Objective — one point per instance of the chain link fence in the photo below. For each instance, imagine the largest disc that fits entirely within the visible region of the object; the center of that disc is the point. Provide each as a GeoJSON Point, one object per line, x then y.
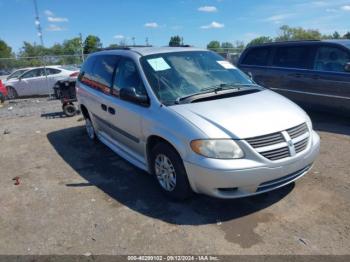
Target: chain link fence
{"type": "Point", "coordinates": [229, 54]}
{"type": "Point", "coordinates": [8, 65]}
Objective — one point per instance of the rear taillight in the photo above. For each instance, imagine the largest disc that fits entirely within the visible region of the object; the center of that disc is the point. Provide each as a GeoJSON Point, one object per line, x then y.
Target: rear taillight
{"type": "Point", "coordinates": [74, 74]}
{"type": "Point", "coordinates": [0, 82]}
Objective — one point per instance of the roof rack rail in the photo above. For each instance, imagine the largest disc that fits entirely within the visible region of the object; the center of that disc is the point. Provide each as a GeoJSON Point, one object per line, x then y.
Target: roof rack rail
{"type": "Point", "coordinates": [126, 47]}
{"type": "Point", "coordinates": [180, 46]}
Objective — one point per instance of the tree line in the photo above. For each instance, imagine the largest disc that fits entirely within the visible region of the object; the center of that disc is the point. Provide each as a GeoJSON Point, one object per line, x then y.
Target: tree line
{"type": "Point", "coordinates": [286, 33]}
{"type": "Point", "coordinates": [70, 51]}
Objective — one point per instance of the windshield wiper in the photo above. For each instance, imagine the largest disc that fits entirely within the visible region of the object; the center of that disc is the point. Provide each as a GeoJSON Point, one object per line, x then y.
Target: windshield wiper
{"type": "Point", "coordinates": [213, 89]}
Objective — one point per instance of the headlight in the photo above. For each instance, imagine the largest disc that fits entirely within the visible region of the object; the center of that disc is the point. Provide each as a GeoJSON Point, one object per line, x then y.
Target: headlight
{"type": "Point", "coordinates": [222, 148]}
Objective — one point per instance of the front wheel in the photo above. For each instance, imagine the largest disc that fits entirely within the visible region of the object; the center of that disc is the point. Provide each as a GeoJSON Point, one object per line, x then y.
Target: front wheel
{"type": "Point", "coordinates": [11, 93]}
{"type": "Point", "coordinates": [168, 168]}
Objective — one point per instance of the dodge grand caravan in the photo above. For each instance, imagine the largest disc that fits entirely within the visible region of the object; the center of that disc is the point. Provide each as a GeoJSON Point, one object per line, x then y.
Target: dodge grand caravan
{"type": "Point", "coordinates": [194, 121]}
{"type": "Point", "coordinates": [314, 74]}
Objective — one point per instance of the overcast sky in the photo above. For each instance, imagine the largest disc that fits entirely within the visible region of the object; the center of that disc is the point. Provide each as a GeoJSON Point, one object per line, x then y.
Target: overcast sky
{"type": "Point", "coordinates": [198, 21]}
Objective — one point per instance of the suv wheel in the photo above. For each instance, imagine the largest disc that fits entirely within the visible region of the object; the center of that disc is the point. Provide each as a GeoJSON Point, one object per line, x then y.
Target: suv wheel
{"type": "Point", "coordinates": [168, 168]}
{"type": "Point", "coordinates": [90, 130]}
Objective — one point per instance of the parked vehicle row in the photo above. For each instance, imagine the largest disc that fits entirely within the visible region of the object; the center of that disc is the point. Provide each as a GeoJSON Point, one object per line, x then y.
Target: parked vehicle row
{"type": "Point", "coordinates": [312, 73]}
{"type": "Point", "coordinates": [37, 81]}
{"type": "Point", "coordinates": [194, 121]}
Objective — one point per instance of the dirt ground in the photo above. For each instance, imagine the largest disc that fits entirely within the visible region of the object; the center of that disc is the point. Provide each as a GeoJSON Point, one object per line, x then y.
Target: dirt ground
{"type": "Point", "coordinates": [78, 197]}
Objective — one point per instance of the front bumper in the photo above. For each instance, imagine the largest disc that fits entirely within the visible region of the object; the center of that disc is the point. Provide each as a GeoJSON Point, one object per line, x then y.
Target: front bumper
{"type": "Point", "coordinates": [233, 182]}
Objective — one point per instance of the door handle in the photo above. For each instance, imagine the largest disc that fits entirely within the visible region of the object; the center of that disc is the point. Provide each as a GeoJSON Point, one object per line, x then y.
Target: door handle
{"type": "Point", "coordinates": [104, 107]}
{"type": "Point", "coordinates": [315, 77]}
{"type": "Point", "coordinates": [111, 110]}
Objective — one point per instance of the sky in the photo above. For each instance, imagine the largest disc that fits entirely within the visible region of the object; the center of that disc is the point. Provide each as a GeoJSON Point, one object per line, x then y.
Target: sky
{"type": "Point", "coordinates": [197, 21]}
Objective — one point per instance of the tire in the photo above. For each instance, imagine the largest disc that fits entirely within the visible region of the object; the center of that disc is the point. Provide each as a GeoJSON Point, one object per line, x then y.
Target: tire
{"type": "Point", "coordinates": [69, 110]}
{"type": "Point", "coordinates": [90, 130]}
{"type": "Point", "coordinates": [169, 171]}
{"type": "Point", "coordinates": [2, 98]}
{"type": "Point", "coordinates": [11, 93]}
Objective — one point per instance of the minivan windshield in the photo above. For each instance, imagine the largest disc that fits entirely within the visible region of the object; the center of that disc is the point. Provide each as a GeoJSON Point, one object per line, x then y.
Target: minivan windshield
{"type": "Point", "coordinates": [180, 74]}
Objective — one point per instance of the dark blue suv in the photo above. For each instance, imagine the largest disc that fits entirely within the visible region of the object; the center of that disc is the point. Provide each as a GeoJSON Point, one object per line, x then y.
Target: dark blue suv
{"type": "Point", "coordinates": [314, 74]}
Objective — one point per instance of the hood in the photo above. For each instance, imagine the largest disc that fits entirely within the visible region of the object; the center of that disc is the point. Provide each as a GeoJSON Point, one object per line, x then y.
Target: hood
{"type": "Point", "coordinates": [243, 116]}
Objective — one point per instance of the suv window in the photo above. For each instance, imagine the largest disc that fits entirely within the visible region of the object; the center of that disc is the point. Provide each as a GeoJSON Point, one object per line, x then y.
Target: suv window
{"type": "Point", "coordinates": [102, 72]}
{"type": "Point", "coordinates": [127, 76]}
{"type": "Point", "coordinates": [85, 75]}
{"type": "Point", "coordinates": [291, 56]}
{"type": "Point", "coordinates": [330, 58]}
{"type": "Point", "coordinates": [257, 56]}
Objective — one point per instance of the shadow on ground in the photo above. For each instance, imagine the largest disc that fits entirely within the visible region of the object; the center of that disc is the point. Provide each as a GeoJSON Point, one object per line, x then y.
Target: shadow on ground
{"type": "Point", "coordinates": [137, 190]}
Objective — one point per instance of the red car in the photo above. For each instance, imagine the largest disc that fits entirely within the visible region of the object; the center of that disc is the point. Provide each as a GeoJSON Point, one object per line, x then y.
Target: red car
{"type": "Point", "coordinates": [3, 92]}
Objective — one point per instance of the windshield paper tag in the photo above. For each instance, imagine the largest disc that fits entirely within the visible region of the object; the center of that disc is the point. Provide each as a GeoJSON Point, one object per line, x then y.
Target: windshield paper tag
{"type": "Point", "coordinates": [226, 64]}
{"type": "Point", "coordinates": [158, 64]}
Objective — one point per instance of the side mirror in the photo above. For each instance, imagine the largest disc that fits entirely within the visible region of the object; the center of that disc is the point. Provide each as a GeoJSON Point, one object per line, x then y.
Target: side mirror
{"type": "Point", "coordinates": [129, 94]}
{"type": "Point", "coordinates": [347, 67]}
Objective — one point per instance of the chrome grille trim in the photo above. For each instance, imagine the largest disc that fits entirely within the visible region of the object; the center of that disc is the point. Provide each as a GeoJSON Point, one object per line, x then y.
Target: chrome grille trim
{"type": "Point", "coordinates": [297, 131]}
{"type": "Point", "coordinates": [277, 153]}
{"type": "Point", "coordinates": [266, 140]}
{"type": "Point", "coordinates": [301, 145]}
{"type": "Point", "coordinates": [280, 145]}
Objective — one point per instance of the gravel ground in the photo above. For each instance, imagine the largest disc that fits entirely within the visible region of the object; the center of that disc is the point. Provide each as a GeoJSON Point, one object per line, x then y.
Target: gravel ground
{"type": "Point", "coordinates": [78, 197]}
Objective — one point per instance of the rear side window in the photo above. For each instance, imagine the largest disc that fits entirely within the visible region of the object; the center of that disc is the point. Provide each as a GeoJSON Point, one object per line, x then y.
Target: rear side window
{"type": "Point", "coordinates": [257, 56]}
{"type": "Point", "coordinates": [85, 75]}
{"type": "Point", "coordinates": [329, 58]}
{"type": "Point", "coordinates": [291, 57]}
{"type": "Point", "coordinates": [52, 71]}
{"type": "Point", "coordinates": [102, 72]}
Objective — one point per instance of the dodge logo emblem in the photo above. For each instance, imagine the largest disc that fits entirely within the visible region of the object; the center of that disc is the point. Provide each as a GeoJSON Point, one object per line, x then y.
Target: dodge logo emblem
{"type": "Point", "coordinates": [290, 143]}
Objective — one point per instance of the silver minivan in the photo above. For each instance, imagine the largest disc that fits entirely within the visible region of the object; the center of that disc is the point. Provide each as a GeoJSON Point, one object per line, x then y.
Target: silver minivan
{"type": "Point", "coordinates": [194, 121]}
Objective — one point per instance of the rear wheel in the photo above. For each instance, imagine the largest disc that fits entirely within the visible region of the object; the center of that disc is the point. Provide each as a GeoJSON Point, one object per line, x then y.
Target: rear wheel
{"type": "Point", "coordinates": [168, 168]}
{"type": "Point", "coordinates": [11, 93]}
{"type": "Point", "coordinates": [90, 130]}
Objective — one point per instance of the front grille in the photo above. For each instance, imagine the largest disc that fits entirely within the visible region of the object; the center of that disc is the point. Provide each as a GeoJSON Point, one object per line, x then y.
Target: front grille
{"type": "Point", "coordinates": [276, 154]}
{"type": "Point", "coordinates": [301, 145]}
{"type": "Point", "coordinates": [297, 131]}
{"type": "Point", "coordinates": [266, 140]}
{"type": "Point", "coordinates": [274, 146]}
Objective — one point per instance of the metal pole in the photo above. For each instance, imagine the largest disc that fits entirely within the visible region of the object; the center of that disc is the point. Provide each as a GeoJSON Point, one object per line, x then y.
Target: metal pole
{"type": "Point", "coordinates": [40, 34]}
{"type": "Point", "coordinates": [81, 47]}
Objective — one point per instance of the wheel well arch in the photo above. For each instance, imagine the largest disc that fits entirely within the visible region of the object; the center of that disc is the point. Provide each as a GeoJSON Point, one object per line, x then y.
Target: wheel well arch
{"type": "Point", "coordinates": [84, 111]}
{"type": "Point", "coordinates": [152, 141]}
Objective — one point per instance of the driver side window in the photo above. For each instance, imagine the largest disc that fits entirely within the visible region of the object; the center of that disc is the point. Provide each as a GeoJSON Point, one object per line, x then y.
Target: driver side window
{"type": "Point", "coordinates": [127, 76]}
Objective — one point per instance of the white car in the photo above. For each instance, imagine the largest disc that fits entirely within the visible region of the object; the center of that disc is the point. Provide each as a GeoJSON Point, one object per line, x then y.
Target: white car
{"type": "Point", "coordinates": [34, 81]}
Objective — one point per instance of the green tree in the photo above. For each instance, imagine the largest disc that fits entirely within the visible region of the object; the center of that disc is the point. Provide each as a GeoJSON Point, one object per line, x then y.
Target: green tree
{"type": "Point", "coordinates": [260, 40]}
{"type": "Point", "coordinates": [336, 35]}
{"type": "Point", "coordinates": [297, 33]}
{"type": "Point", "coordinates": [347, 35]}
{"type": "Point", "coordinates": [5, 52]}
{"type": "Point", "coordinates": [91, 44]}
{"type": "Point", "coordinates": [213, 45]}
{"type": "Point", "coordinates": [175, 41]}
{"type": "Point", "coordinates": [226, 45]}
